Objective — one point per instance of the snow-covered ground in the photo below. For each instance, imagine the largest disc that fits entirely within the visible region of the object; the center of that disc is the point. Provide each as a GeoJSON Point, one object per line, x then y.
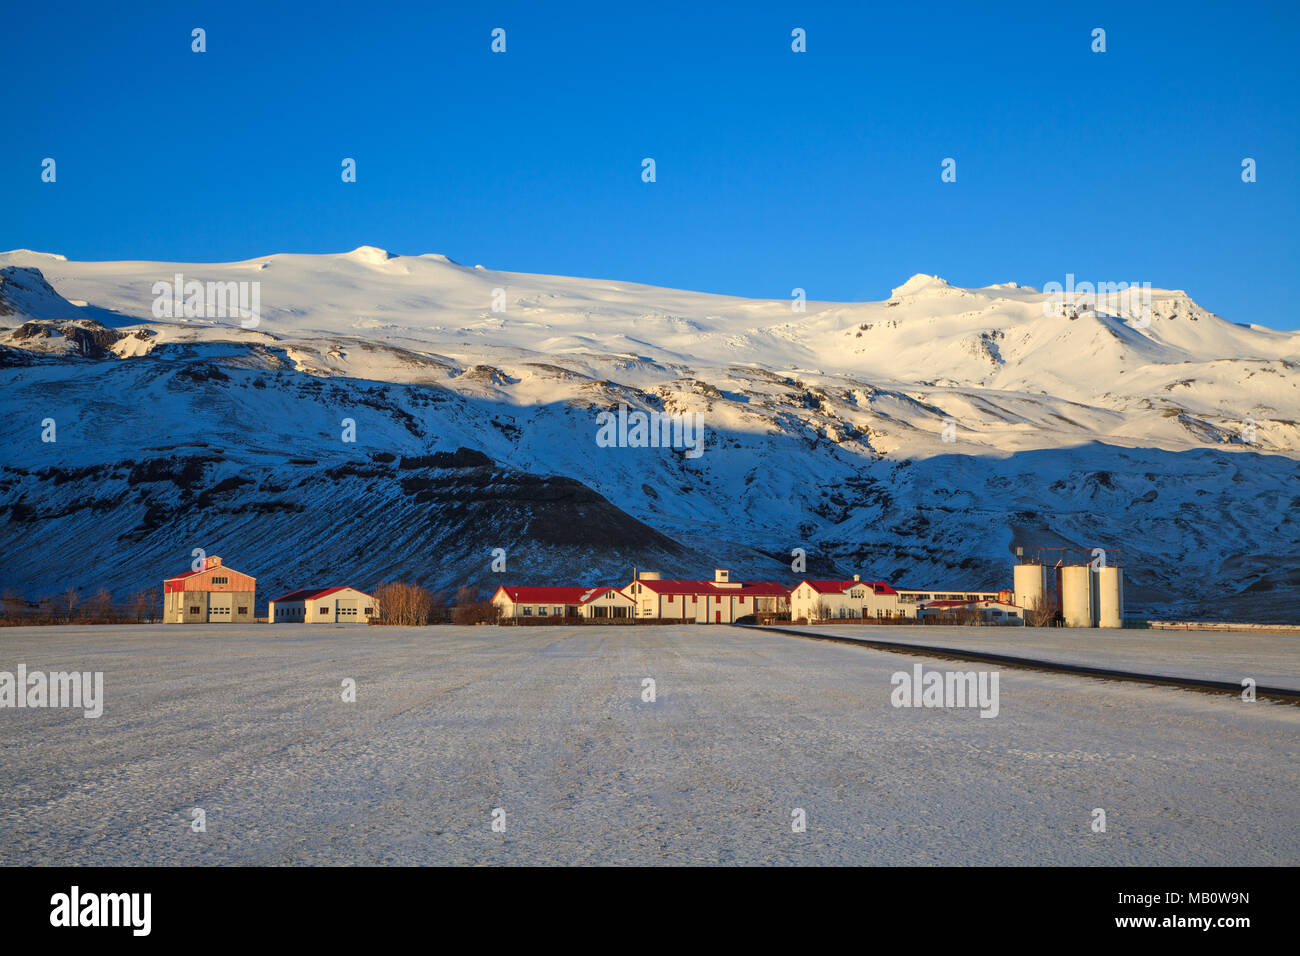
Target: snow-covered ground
{"type": "Point", "coordinates": [1271, 659]}
{"type": "Point", "coordinates": [549, 724]}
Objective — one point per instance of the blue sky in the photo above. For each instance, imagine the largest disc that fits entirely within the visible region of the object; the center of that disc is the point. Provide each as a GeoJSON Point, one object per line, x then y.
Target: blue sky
{"type": "Point", "coordinates": [774, 169]}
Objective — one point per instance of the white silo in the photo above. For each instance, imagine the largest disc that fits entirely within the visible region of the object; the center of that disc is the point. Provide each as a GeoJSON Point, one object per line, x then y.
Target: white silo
{"type": "Point", "coordinates": [1030, 585]}
{"type": "Point", "coordinates": [1110, 597]}
{"type": "Point", "coordinates": [1077, 606]}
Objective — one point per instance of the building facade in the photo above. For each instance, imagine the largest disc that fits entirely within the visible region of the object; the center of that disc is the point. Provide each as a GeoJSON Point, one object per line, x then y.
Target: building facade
{"type": "Point", "coordinates": [342, 605]}
{"type": "Point", "coordinates": [960, 612]}
{"type": "Point", "coordinates": [844, 600]}
{"type": "Point", "coordinates": [215, 594]}
{"type": "Point", "coordinates": [720, 601]}
{"type": "Point", "coordinates": [533, 602]}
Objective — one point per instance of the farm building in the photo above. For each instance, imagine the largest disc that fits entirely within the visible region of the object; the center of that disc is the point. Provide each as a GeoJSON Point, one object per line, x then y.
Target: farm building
{"type": "Point", "coordinates": [989, 612]}
{"type": "Point", "coordinates": [909, 599]}
{"type": "Point", "coordinates": [518, 602]}
{"type": "Point", "coordinates": [720, 601]}
{"type": "Point", "coordinates": [606, 603]}
{"type": "Point", "coordinates": [342, 605]}
{"type": "Point", "coordinates": [823, 600]}
{"type": "Point", "coordinates": [215, 594]}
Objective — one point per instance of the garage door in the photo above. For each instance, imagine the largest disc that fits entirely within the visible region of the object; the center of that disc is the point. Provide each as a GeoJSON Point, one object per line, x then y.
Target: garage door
{"type": "Point", "coordinates": [220, 608]}
{"type": "Point", "coordinates": [348, 612]}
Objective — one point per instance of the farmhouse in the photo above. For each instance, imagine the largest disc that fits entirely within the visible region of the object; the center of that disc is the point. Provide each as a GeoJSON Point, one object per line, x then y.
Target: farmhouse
{"type": "Point", "coordinates": [520, 602]}
{"type": "Point", "coordinates": [342, 605]}
{"type": "Point", "coordinates": [989, 611]}
{"type": "Point", "coordinates": [720, 601]}
{"type": "Point", "coordinates": [215, 594]}
{"type": "Point", "coordinates": [837, 600]}
{"type": "Point", "coordinates": [606, 603]}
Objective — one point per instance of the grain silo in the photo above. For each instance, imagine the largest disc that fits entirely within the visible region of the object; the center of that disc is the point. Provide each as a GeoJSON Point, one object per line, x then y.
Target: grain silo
{"type": "Point", "coordinates": [1075, 586]}
{"type": "Point", "coordinates": [1110, 597]}
{"type": "Point", "coordinates": [1030, 586]}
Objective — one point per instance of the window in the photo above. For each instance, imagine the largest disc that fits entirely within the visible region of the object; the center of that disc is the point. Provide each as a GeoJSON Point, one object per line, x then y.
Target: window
{"type": "Point", "coordinates": [221, 580]}
{"type": "Point", "coordinates": [244, 609]}
{"type": "Point", "coordinates": [541, 611]}
{"type": "Point", "coordinates": [323, 609]}
{"type": "Point", "coordinates": [528, 612]}
{"type": "Point", "coordinates": [370, 610]}
{"type": "Point", "coordinates": [194, 610]}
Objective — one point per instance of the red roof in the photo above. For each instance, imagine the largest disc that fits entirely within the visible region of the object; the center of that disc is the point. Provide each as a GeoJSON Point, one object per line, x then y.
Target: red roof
{"type": "Point", "coordinates": [835, 587]}
{"type": "Point", "coordinates": [593, 594]}
{"type": "Point", "coordinates": [308, 594]}
{"type": "Point", "coordinates": [660, 586]}
{"type": "Point", "coordinates": [556, 595]}
{"type": "Point", "coordinates": [187, 574]}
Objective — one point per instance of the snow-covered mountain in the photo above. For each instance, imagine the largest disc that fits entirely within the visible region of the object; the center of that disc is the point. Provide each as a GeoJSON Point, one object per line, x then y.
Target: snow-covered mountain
{"type": "Point", "coordinates": [913, 439]}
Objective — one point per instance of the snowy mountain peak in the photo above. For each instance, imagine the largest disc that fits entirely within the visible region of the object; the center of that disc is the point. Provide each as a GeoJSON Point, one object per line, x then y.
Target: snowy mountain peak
{"type": "Point", "coordinates": [29, 254]}
{"type": "Point", "coordinates": [370, 254]}
{"type": "Point", "coordinates": [921, 282]}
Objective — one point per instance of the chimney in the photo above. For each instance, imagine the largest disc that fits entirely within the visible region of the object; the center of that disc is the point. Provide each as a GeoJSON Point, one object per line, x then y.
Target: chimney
{"type": "Point", "coordinates": [211, 562]}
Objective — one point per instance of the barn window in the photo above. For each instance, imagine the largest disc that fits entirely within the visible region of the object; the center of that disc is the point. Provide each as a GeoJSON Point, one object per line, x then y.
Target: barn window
{"type": "Point", "coordinates": [221, 580]}
{"type": "Point", "coordinates": [194, 610]}
{"type": "Point", "coordinates": [243, 610]}
{"type": "Point", "coordinates": [324, 609]}
{"type": "Point", "coordinates": [369, 610]}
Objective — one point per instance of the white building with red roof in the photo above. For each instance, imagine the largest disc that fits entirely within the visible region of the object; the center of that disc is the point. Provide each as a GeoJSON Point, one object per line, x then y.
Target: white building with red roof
{"type": "Point", "coordinates": [605, 603]}
{"type": "Point", "coordinates": [720, 601]}
{"type": "Point", "coordinates": [844, 600]}
{"type": "Point", "coordinates": [341, 605]}
{"type": "Point", "coordinates": [988, 611]}
{"type": "Point", "coordinates": [534, 602]}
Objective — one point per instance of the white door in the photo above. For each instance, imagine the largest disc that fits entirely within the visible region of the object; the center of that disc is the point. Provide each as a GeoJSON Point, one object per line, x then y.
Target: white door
{"type": "Point", "coordinates": [220, 608]}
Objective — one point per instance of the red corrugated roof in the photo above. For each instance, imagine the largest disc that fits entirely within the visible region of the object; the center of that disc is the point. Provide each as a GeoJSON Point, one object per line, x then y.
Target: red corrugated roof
{"type": "Point", "coordinates": [187, 574]}
{"type": "Point", "coordinates": [553, 595]}
{"type": "Point", "coordinates": [710, 587]}
{"type": "Point", "coordinates": [592, 594]}
{"type": "Point", "coordinates": [835, 587]}
{"type": "Point", "coordinates": [660, 586]}
{"type": "Point", "coordinates": [309, 594]}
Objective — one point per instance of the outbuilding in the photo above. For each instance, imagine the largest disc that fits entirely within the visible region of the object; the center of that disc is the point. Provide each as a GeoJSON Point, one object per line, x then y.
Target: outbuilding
{"type": "Point", "coordinates": [531, 602]}
{"type": "Point", "coordinates": [214, 594]}
{"type": "Point", "coordinates": [341, 605]}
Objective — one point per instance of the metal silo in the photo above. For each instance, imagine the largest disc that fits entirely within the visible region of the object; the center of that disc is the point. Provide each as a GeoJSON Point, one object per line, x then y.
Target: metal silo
{"type": "Point", "coordinates": [1030, 586]}
{"type": "Point", "coordinates": [1110, 597]}
{"type": "Point", "coordinates": [1077, 606]}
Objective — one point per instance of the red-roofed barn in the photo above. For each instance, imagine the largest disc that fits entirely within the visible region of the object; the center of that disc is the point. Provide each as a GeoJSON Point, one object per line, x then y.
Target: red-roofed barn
{"type": "Point", "coordinates": [215, 594]}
